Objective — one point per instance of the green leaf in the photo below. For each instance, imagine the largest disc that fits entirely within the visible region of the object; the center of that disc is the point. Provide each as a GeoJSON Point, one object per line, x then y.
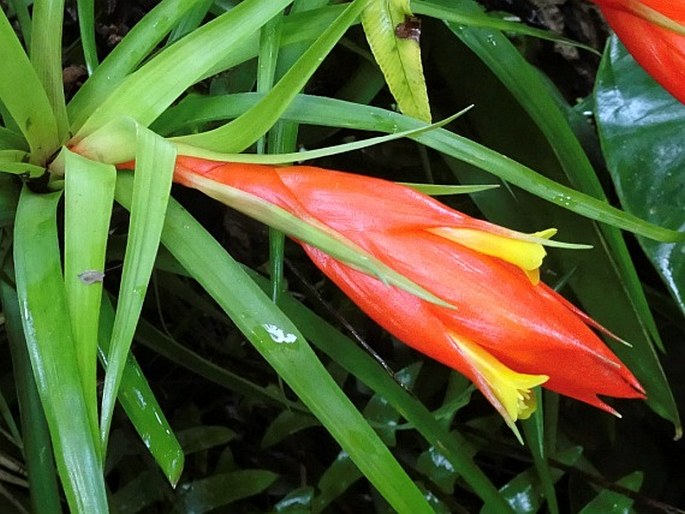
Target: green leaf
{"type": "Point", "coordinates": [86, 24]}
{"type": "Point", "coordinates": [242, 132]}
{"type": "Point", "coordinates": [46, 58]}
{"type": "Point", "coordinates": [88, 198]}
{"type": "Point", "coordinates": [155, 160]}
{"type": "Point", "coordinates": [611, 502]}
{"type": "Point", "coordinates": [204, 437]}
{"type": "Point", "coordinates": [286, 424]}
{"type": "Point", "coordinates": [393, 35]}
{"type": "Point", "coordinates": [37, 449]}
{"type": "Point", "coordinates": [45, 318]}
{"type": "Point", "coordinates": [337, 479]}
{"type": "Point", "coordinates": [223, 489]}
{"type": "Point", "coordinates": [644, 152]}
{"type": "Point", "coordinates": [524, 493]}
{"type": "Point", "coordinates": [455, 13]}
{"type": "Point", "coordinates": [23, 96]}
{"type": "Point", "coordinates": [280, 343]}
{"type": "Point", "coordinates": [126, 55]}
{"type": "Point", "coordinates": [534, 432]}
{"type": "Point", "coordinates": [146, 93]}
{"type": "Point", "coordinates": [141, 406]}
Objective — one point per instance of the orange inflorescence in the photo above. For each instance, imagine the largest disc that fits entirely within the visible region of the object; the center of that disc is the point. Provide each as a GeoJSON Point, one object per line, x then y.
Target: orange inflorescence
{"type": "Point", "coordinates": [503, 329]}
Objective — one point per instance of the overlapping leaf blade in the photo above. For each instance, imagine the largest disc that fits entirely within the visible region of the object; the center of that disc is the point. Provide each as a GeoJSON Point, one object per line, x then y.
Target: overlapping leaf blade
{"type": "Point", "coordinates": [47, 329]}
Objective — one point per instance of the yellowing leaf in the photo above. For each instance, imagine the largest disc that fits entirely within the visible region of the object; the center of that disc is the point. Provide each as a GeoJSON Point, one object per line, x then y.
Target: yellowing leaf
{"type": "Point", "coordinates": [393, 35]}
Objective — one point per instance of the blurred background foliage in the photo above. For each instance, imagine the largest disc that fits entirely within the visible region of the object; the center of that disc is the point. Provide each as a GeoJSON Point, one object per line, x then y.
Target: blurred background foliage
{"type": "Point", "coordinates": [250, 445]}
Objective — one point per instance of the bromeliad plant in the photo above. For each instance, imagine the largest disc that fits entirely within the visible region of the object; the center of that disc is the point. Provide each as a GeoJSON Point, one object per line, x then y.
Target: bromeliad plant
{"type": "Point", "coordinates": [463, 291]}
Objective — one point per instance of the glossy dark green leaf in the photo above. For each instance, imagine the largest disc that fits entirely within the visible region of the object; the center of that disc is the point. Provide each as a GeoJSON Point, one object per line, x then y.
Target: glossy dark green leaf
{"type": "Point", "coordinates": [524, 493]}
{"type": "Point", "coordinates": [642, 129]}
{"type": "Point", "coordinates": [223, 489]}
{"type": "Point", "coordinates": [382, 414]}
{"type": "Point", "coordinates": [197, 439]}
{"type": "Point", "coordinates": [434, 465]}
{"type": "Point", "coordinates": [297, 501]}
{"type": "Point", "coordinates": [339, 476]}
{"type": "Point", "coordinates": [286, 424]}
{"type": "Point", "coordinates": [612, 502]}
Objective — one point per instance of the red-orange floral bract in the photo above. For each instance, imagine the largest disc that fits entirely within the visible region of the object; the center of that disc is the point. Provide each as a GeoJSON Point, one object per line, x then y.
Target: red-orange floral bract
{"type": "Point", "coordinates": [503, 329]}
{"type": "Point", "coordinates": [642, 26]}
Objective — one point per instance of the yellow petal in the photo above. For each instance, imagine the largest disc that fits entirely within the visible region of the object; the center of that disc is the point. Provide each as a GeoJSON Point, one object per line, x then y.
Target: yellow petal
{"type": "Point", "coordinates": [527, 255]}
{"type": "Point", "coordinates": [510, 388]}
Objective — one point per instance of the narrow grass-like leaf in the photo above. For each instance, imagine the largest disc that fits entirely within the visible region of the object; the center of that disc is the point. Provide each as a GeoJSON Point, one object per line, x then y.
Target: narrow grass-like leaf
{"type": "Point", "coordinates": [470, 18]}
{"type": "Point", "coordinates": [141, 406]}
{"type": "Point", "coordinates": [444, 190]}
{"type": "Point", "coordinates": [190, 21]}
{"type": "Point", "coordinates": [23, 96]}
{"type": "Point", "coordinates": [129, 53]}
{"type": "Point", "coordinates": [47, 329]}
{"type": "Point", "coordinates": [155, 160]}
{"type": "Point", "coordinates": [40, 464]}
{"type": "Point", "coordinates": [534, 432]}
{"type": "Point", "coordinates": [46, 57]}
{"type": "Point", "coordinates": [145, 94]}
{"type": "Point", "coordinates": [21, 9]}
{"type": "Point", "coordinates": [267, 61]}
{"type": "Point", "coordinates": [88, 198]}
{"type": "Point", "coordinates": [247, 128]}
{"type": "Point", "coordinates": [300, 27]}
{"type": "Point", "coordinates": [86, 25]}
{"type": "Point", "coordinates": [281, 344]}
{"type": "Point", "coordinates": [393, 36]}
{"type": "Point", "coordinates": [287, 158]}
{"type": "Point", "coordinates": [338, 113]}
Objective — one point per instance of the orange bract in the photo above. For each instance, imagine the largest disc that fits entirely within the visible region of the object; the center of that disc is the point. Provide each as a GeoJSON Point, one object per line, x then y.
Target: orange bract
{"type": "Point", "coordinates": [659, 50]}
{"type": "Point", "coordinates": [505, 331]}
